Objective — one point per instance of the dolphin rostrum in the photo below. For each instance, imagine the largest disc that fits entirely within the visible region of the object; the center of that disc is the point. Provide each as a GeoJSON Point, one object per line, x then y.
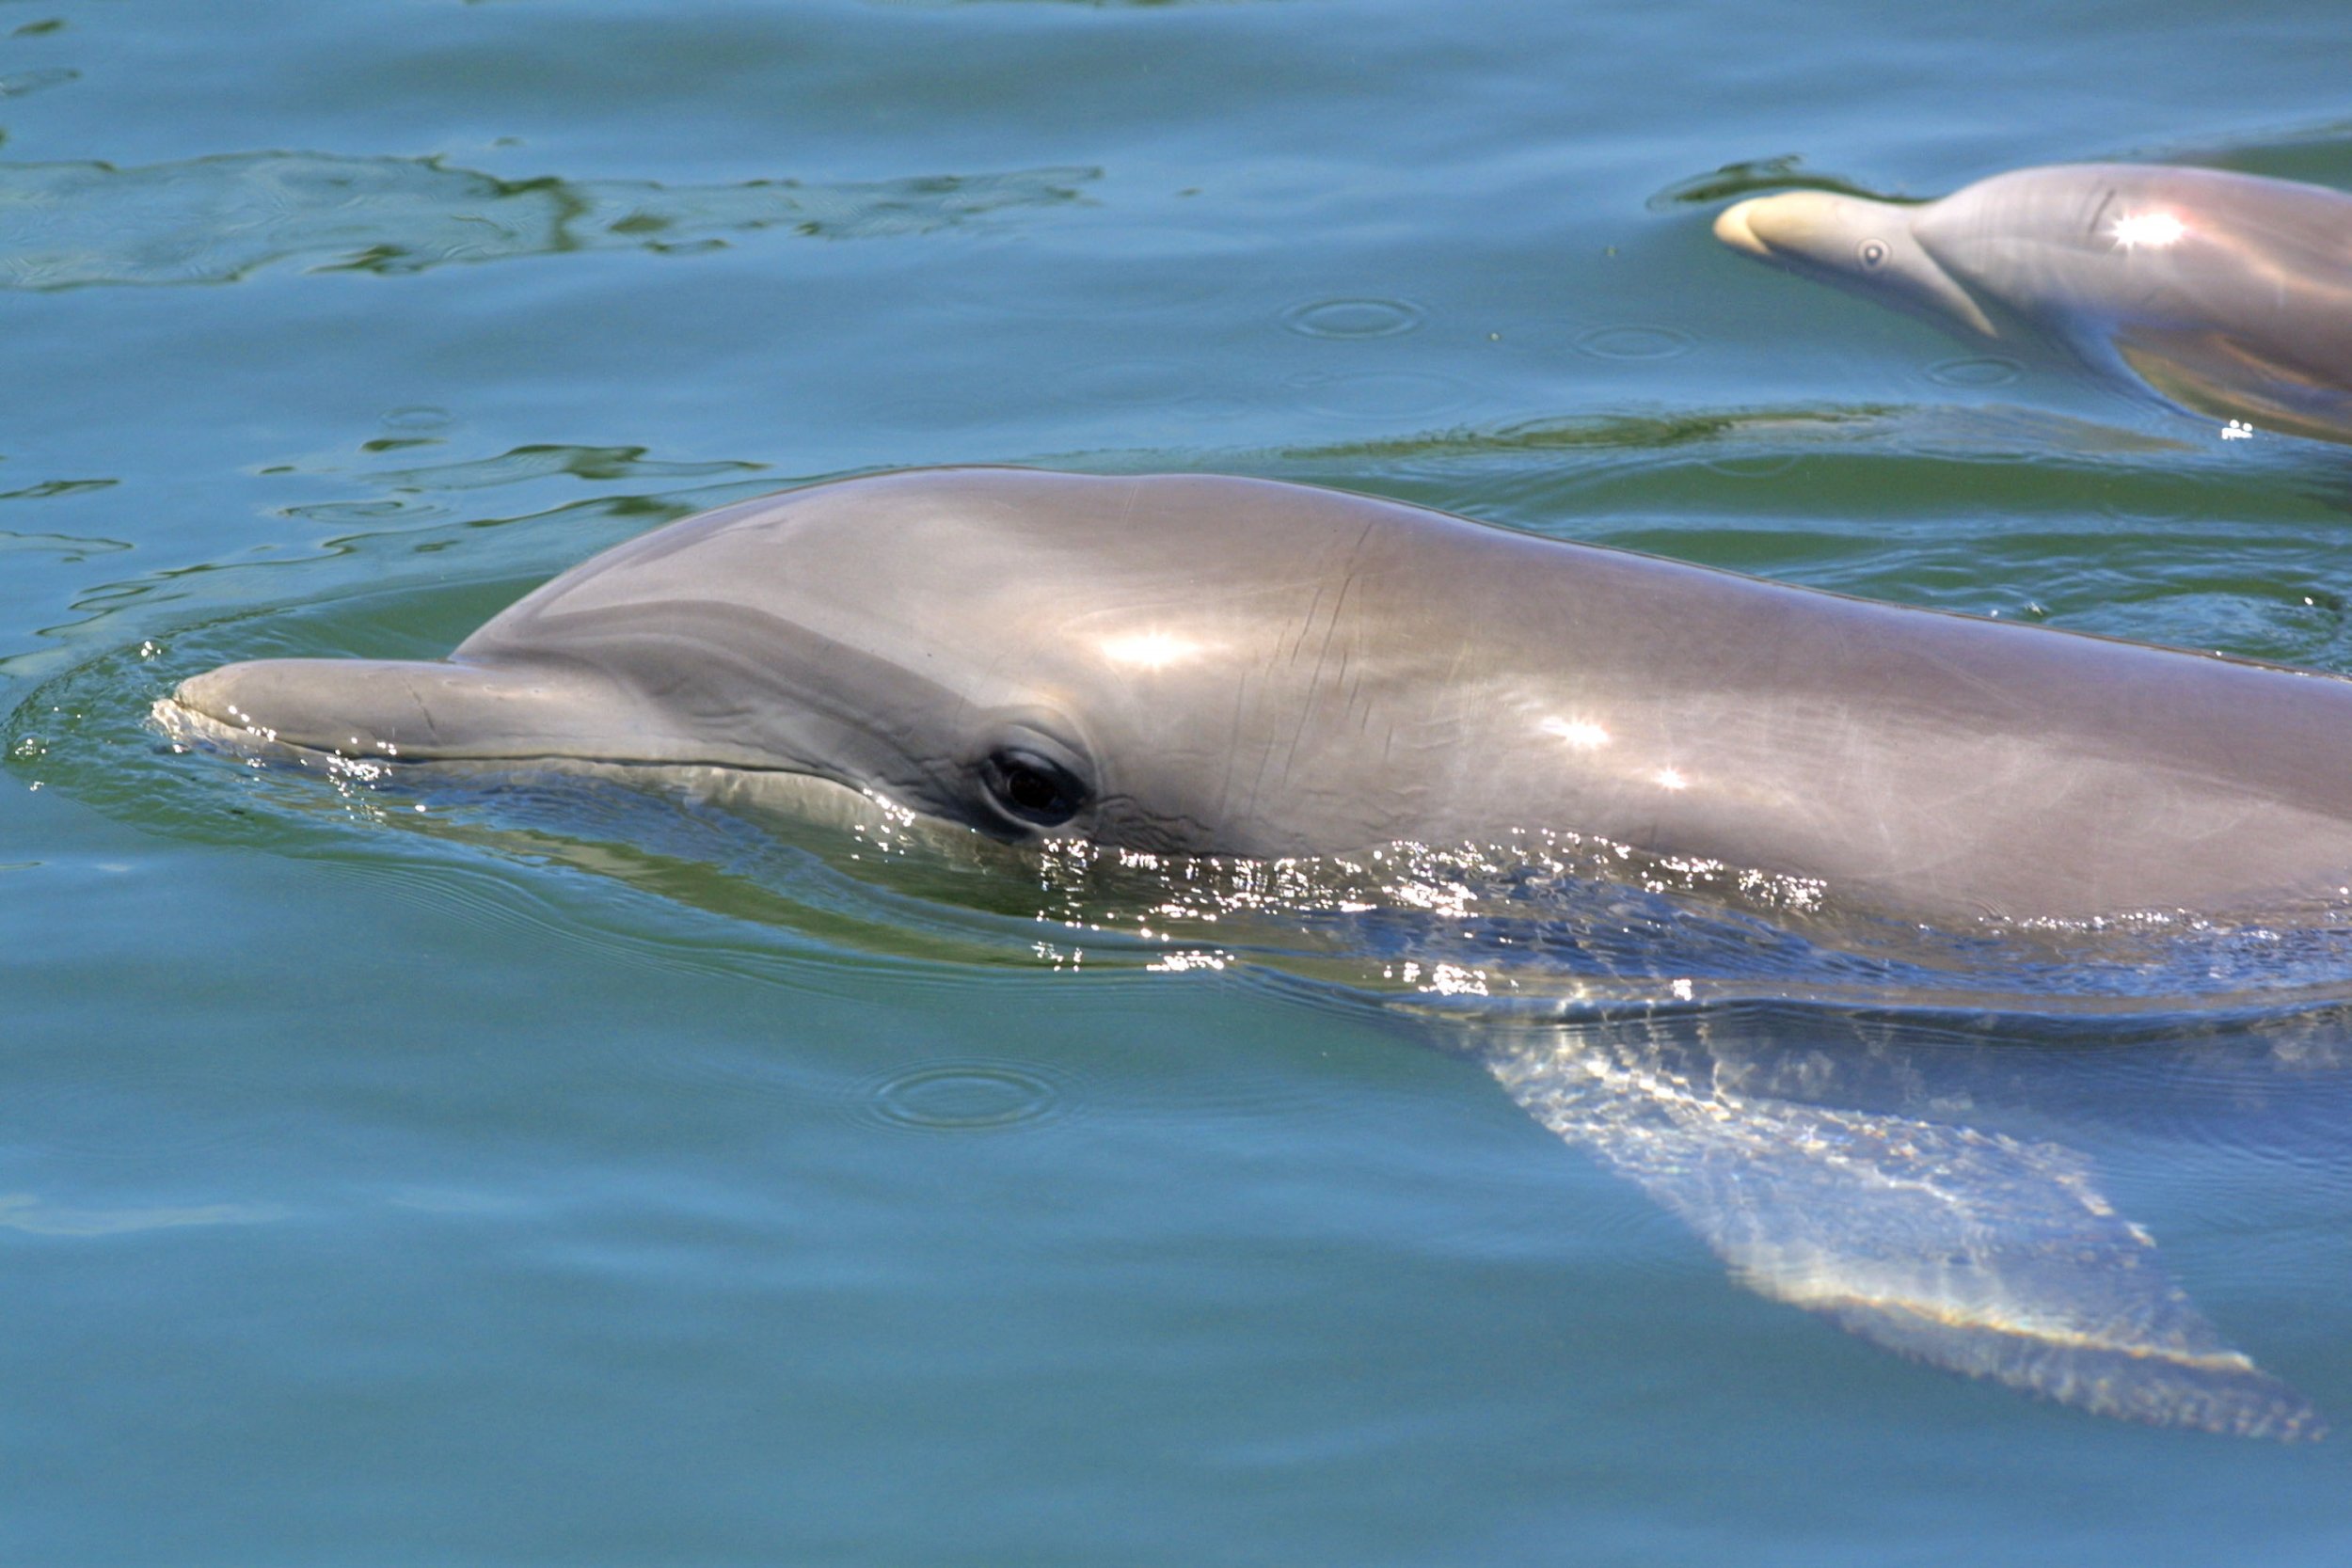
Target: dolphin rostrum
{"type": "Point", "coordinates": [2229, 293]}
{"type": "Point", "coordinates": [1230, 667]}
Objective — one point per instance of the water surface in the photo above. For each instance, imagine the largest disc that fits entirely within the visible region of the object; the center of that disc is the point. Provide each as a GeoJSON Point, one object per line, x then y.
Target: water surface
{"type": "Point", "coordinates": [562, 1177]}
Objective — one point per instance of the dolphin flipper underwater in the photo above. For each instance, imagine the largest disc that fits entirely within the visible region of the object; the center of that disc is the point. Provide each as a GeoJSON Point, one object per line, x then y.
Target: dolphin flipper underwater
{"type": "Point", "coordinates": [1983, 1253]}
{"type": "Point", "coordinates": [2229, 293]}
{"type": "Point", "coordinates": [1035, 657]}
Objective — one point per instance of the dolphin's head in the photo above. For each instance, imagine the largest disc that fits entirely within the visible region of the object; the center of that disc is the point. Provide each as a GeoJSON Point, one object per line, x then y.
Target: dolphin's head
{"type": "Point", "coordinates": [1863, 244]}
{"type": "Point", "coordinates": [1174, 663]}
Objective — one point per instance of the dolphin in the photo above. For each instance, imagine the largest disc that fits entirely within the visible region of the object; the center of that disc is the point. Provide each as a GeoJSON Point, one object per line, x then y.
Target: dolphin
{"type": "Point", "coordinates": [2229, 293]}
{"type": "Point", "coordinates": [1201, 665]}
{"type": "Point", "coordinates": [1221, 666]}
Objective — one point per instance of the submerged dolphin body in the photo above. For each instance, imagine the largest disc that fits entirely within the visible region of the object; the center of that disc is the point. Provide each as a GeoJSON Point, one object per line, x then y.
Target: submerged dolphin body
{"type": "Point", "coordinates": [1235, 667]}
{"type": "Point", "coordinates": [2229, 293]}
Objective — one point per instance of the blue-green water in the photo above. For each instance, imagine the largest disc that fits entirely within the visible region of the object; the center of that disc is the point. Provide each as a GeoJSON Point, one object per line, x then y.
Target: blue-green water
{"type": "Point", "coordinates": [565, 1180]}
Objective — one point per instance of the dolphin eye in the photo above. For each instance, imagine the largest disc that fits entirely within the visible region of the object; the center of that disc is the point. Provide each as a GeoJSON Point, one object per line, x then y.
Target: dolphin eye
{"type": "Point", "coordinates": [1873, 253]}
{"type": "Point", "coordinates": [1032, 788]}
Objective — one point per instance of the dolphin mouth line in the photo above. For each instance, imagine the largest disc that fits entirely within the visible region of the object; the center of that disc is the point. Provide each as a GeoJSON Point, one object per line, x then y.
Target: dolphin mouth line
{"type": "Point", "coordinates": [184, 725]}
{"type": "Point", "coordinates": [785, 793]}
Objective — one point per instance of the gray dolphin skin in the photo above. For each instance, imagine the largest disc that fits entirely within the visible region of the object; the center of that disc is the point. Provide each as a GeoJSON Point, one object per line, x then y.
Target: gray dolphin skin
{"type": "Point", "coordinates": [2229, 293]}
{"type": "Point", "coordinates": [1238, 667]}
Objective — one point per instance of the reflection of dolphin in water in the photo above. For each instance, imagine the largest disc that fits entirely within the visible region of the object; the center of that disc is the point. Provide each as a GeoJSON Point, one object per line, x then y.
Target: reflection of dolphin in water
{"type": "Point", "coordinates": [1221, 666]}
{"type": "Point", "coordinates": [2227, 293]}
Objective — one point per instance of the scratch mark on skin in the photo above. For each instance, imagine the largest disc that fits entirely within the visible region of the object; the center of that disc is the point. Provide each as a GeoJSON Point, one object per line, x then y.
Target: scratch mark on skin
{"type": "Point", "coordinates": [2090, 230]}
{"type": "Point", "coordinates": [1959, 671]}
{"type": "Point", "coordinates": [1232, 742]}
{"type": "Point", "coordinates": [1352, 571]}
{"type": "Point", "coordinates": [1306, 626]}
{"type": "Point", "coordinates": [1315, 683]}
{"type": "Point", "coordinates": [424, 711]}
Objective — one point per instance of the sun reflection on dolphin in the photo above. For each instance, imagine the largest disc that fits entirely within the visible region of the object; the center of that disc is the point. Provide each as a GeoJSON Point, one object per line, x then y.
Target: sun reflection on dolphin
{"type": "Point", "coordinates": [2152, 230]}
{"type": "Point", "coordinates": [1583, 734]}
{"type": "Point", "coordinates": [1151, 650]}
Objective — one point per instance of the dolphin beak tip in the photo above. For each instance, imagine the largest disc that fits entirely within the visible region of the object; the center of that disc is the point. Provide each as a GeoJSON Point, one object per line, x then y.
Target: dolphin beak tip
{"type": "Point", "coordinates": [1733, 228]}
{"type": "Point", "coordinates": [257, 699]}
{"type": "Point", "coordinates": [193, 715]}
{"type": "Point", "coordinates": [205, 695]}
{"type": "Point", "coordinates": [248, 693]}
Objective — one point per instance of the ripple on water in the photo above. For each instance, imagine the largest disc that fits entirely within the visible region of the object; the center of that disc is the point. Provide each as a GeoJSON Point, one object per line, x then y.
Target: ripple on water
{"type": "Point", "coordinates": [1365, 317]}
{"type": "Point", "coordinates": [2292, 626]}
{"type": "Point", "coordinates": [1635, 341]}
{"type": "Point", "coordinates": [972, 1096]}
{"type": "Point", "coordinates": [25, 82]}
{"type": "Point", "coordinates": [353, 514]}
{"type": "Point", "coordinates": [1758, 466]}
{"type": "Point", "coordinates": [214, 220]}
{"type": "Point", "coordinates": [1753, 177]}
{"type": "Point", "coordinates": [1984, 369]}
